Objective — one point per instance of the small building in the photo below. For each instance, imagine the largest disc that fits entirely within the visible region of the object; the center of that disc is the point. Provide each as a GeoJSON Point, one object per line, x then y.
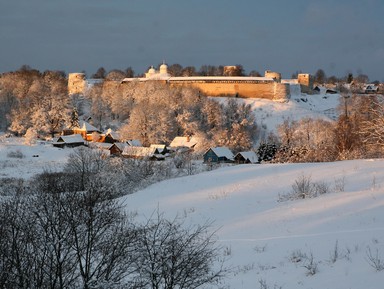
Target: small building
{"type": "Point", "coordinates": [134, 143]}
{"type": "Point", "coordinates": [117, 148]}
{"type": "Point", "coordinates": [218, 155]}
{"type": "Point", "coordinates": [73, 140]}
{"type": "Point", "coordinates": [85, 129]}
{"type": "Point", "coordinates": [160, 148]}
{"type": "Point", "coordinates": [249, 157]}
{"type": "Point", "coordinates": [142, 153]}
{"type": "Point", "coordinates": [111, 149]}
{"type": "Point", "coordinates": [183, 142]}
{"type": "Point", "coordinates": [111, 136]}
{"type": "Point", "coordinates": [371, 88]}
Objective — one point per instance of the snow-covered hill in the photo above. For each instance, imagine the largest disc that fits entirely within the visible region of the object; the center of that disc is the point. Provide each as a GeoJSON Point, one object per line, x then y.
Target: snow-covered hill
{"type": "Point", "coordinates": [273, 244]}
{"type": "Point", "coordinates": [270, 244]}
{"type": "Point", "coordinates": [269, 114]}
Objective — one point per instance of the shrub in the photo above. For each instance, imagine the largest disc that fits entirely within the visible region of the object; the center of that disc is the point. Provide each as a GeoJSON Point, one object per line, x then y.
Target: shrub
{"type": "Point", "coordinates": [15, 154]}
{"type": "Point", "coordinates": [375, 260]}
{"type": "Point", "coordinates": [304, 188]}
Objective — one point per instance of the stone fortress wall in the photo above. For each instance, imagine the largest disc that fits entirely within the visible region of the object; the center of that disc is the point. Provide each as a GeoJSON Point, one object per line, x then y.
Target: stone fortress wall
{"type": "Point", "coordinates": [237, 88]}
{"type": "Point", "coordinates": [268, 87]}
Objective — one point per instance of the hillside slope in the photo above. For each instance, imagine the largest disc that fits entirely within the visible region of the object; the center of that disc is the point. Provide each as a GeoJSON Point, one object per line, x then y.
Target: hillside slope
{"type": "Point", "coordinates": [270, 243]}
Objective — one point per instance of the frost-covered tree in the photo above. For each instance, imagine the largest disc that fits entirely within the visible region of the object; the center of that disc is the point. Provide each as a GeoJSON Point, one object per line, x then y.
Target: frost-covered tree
{"type": "Point", "coordinates": [240, 127]}
{"type": "Point", "coordinates": [41, 102]}
{"type": "Point", "coordinates": [306, 140]}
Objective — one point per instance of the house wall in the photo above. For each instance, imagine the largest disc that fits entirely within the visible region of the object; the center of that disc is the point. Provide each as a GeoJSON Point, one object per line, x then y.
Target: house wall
{"type": "Point", "coordinates": [210, 156]}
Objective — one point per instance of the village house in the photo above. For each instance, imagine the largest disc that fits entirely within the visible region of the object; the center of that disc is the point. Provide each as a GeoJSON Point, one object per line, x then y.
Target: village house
{"type": "Point", "coordinates": [371, 88]}
{"type": "Point", "coordinates": [160, 148]}
{"type": "Point", "coordinates": [149, 153]}
{"type": "Point", "coordinates": [181, 142]}
{"type": "Point", "coordinates": [85, 129]}
{"type": "Point", "coordinates": [218, 155]}
{"type": "Point", "coordinates": [111, 136]}
{"type": "Point", "coordinates": [248, 157]}
{"type": "Point", "coordinates": [73, 140]}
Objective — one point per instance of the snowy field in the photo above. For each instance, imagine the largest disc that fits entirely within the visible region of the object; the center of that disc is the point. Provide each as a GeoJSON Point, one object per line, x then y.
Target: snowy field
{"type": "Point", "coordinates": [18, 160]}
{"type": "Point", "coordinates": [319, 243]}
{"type": "Point", "coordinates": [314, 243]}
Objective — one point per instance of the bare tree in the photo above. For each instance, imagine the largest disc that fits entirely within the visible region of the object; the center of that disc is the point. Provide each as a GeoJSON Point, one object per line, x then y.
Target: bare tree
{"type": "Point", "coordinates": [173, 255]}
{"type": "Point", "coordinates": [102, 238]}
{"type": "Point", "coordinates": [83, 163]}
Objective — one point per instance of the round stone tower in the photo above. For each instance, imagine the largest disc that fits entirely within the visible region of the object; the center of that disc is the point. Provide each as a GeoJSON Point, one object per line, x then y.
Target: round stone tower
{"type": "Point", "coordinates": [275, 75]}
{"type": "Point", "coordinates": [76, 83]}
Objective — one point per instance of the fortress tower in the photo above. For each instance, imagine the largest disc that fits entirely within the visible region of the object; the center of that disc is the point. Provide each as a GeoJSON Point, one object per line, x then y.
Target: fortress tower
{"type": "Point", "coordinates": [306, 82]}
{"type": "Point", "coordinates": [76, 83]}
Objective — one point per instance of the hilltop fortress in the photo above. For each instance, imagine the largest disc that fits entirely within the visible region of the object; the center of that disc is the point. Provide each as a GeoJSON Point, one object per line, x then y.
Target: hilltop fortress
{"type": "Point", "coordinates": [271, 86]}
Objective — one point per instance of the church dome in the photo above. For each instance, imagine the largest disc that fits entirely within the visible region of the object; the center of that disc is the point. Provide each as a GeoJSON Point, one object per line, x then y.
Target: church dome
{"type": "Point", "coordinates": [163, 69]}
{"type": "Point", "coordinates": [151, 70]}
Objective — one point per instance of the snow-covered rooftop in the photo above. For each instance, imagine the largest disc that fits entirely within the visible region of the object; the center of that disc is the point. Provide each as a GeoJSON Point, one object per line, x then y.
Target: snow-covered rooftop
{"type": "Point", "coordinates": [138, 151]}
{"type": "Point", "coordinates": [223, 152]}
{"type": "Point", "coordinates": [249, 155]}
{"type": "Point", "coordinates": [87, 126]}
{"type": "Point", "coordinates": [183, 141]}
{"type": "Point", "coordinates": [69, 139]}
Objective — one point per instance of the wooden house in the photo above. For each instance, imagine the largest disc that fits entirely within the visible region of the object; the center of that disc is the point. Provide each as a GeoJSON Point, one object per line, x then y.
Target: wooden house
{"type": "Point", "coordinates": [138, 152]}
{"type": "Point", "coordinates": [146, 153]}
{"type": "Point", "coordinates": [371, 88]}
{"type": "Point", "coordinates": [218, 155]}
{"type": "Point", "coordinates": [73, 140]}
{"type": "Point", "coordinates": [160, 148]}
{"type": "Point", "coordinates": [110, 149]}
{"type": "Point", "coordinates": [248, 157]}
{"type": "Point", "coordinates": [117, 148]}
{"type": "Point", "coordinates": [111, 136]}
{"type": "Point", "coordinates": [84, 129]}
{"type": "Point", "coordinates": [183, 142]}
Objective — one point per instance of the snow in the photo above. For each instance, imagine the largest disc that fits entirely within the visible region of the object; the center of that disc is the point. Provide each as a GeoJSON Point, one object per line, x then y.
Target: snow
{"type": "Point", "coordinates": [262, 236]}
{"type": "Point", "coordinates": [134, 143]}
{"type": "Point", "coordinates": [87, 126]}
{"type": "Point", "coordinates": [183, 141]}
{"type": "Point", "coordinates": [269, 114]}
{"type": "Point", "coordinates": [134, 151]}
{"type": "Point", "coordinates": [36, 158]}
{"type": "Point", "coordinates": [69, 139]}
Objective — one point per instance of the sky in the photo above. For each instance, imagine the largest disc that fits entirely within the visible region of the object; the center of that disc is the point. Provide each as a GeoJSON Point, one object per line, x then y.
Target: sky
{"type": "Point", "coordinates": [338, 36]}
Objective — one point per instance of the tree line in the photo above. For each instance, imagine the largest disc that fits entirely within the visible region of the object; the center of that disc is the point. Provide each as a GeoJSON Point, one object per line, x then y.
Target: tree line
{"type": "Point", "coordinates": [174, 70]}
{"type": "Point", "coordinates": [357, 133]}
{"type": "Point", "coordinates": [37, 103]}
{"type": "Point", "coordinates": [320, 77]}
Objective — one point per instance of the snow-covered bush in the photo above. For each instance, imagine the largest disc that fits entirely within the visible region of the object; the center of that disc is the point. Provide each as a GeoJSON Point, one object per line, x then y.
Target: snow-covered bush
{"type": "Point", "coordinates": [374, 259]}
{"type": "Point", "coordinates": [311, 265]}
{"type": "Point", "coordinates": [304, 188]}
{"type": "Point", "coordinates": [17, 154]}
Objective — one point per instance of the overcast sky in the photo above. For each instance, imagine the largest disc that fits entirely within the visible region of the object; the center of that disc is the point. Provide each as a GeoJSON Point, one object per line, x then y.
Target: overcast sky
{"type": "Point", "coordinates": [339, 36]}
